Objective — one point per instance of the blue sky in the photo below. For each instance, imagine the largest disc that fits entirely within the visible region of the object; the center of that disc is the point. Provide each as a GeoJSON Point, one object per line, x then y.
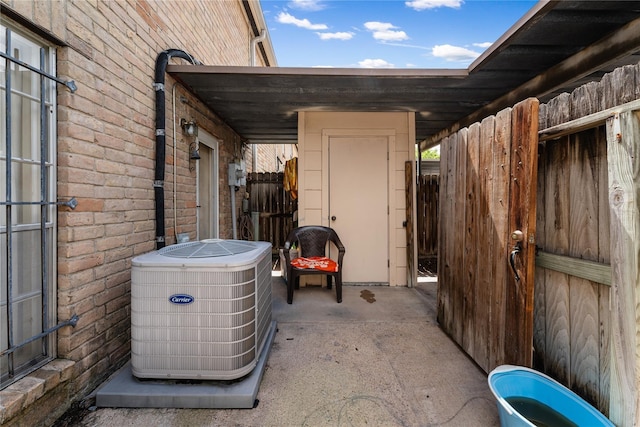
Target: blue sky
{"type": "Point", "coordinates": [387, 33]}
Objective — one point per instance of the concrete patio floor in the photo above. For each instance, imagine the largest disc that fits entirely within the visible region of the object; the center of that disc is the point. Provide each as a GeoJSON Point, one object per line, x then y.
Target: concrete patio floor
{"type": "Point", "coordinates": [377, 359]}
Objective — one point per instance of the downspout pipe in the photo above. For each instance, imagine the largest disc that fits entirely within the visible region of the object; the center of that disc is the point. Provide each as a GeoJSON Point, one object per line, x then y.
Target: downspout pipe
{"type": "Point", "coordinates": [158, 184]}
{"type": "Point", "coordinates": [253, 46]}
{"type": "Point", "coordinates": [254, 148]}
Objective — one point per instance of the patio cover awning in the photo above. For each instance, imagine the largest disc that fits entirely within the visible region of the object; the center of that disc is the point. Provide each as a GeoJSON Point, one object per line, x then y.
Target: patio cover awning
{"type": "Point", "coordinates": [555, 48]}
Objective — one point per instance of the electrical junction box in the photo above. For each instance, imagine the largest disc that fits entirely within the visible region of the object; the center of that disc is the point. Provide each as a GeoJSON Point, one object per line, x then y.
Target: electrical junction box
{"type": "Point", "coordinates": [238, 174]}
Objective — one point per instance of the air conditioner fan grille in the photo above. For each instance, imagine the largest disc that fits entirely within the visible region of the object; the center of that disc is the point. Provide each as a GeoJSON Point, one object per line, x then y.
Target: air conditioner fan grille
{"type": "Point", "coordinates": [208, 248]}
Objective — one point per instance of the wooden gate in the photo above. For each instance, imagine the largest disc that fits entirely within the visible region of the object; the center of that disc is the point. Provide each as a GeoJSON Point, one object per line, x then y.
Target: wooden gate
{"type": "Point", "coordinates": [487, 220]}
{"type": "Point", "coordinates": [271, 206]}
{"type": "Point", "coordinates": [427, 215]}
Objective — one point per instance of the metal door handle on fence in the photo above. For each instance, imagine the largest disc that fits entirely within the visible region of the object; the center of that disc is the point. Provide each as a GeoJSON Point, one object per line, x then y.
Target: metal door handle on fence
{"type": "Point", "coordinates": [517, 236]}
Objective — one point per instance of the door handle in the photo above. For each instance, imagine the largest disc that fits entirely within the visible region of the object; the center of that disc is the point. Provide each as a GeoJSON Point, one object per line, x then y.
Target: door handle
{"type": "Point", "coordinates": [333, 218]}
{"type": "Point", "coordinates": [512, 261]}
{"type": "Point", "coordinates": [518, 237]}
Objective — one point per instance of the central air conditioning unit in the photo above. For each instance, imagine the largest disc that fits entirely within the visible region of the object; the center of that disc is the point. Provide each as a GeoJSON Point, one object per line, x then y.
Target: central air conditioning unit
{"type": "Point", "coordinates": [200, 310]}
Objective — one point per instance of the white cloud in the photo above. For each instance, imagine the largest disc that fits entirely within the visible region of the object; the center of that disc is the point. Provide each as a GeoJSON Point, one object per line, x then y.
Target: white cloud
{"type": "Point", "coordinates": [312, 5]}
{"type": "Point", "coordinates": [335, 36]}
{"type": "Point", "coordinates": [433, 4]}
{"type": "Point", "coordinates": [375, 63]}
{"type": "Point", "coordinates": [484, 45]}
{"type": "Point", "coordinates": [285, 18]}
{"type": "Point", "coordinates": [384, 31]}
{"type": "Point", "coordinates": [454, 53]}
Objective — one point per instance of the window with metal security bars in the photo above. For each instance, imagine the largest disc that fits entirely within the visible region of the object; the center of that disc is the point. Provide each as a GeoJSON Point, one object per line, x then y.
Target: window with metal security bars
{"type": "Point", "coordinates": [27, 204]}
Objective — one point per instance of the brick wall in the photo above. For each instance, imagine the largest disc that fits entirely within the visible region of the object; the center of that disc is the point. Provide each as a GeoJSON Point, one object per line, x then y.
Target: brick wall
{"type": "Point", "coordinates": [106, 152]}
{"type": "Point", "coordinates": [271, 157]}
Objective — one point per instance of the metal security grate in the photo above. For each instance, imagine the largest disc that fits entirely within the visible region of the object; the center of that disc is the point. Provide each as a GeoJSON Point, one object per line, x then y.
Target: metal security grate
{"type": "Point", "coordinates": [27, 220]}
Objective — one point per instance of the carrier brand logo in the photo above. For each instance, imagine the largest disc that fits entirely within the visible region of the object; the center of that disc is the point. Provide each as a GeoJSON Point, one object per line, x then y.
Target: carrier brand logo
{"type": "Point", "coordinates": [181, 299]}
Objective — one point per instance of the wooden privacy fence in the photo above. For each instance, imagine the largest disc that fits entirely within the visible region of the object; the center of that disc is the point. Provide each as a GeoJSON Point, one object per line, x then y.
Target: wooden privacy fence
{"type": "Point", "coordinates": [427, 215]}
{"type": "Point", "coordinates": [271, 206]}
{"type": "Point", "coordinates": [578, 259]}
{"type": "Point", "coordinates": [587, 277]}
{"type": "Point", "coordinates": [571, 316]}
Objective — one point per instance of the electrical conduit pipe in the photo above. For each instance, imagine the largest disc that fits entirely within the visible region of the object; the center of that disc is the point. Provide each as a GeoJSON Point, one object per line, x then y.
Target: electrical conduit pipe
{"type": "Point", "coordinates": [158, 184]}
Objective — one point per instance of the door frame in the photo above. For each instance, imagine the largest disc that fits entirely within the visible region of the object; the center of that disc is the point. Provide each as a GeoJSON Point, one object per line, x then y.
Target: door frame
{"type": "Point", "coordinates": [213, 143]}
{"type": "Point", "coordinates": [390, 134]}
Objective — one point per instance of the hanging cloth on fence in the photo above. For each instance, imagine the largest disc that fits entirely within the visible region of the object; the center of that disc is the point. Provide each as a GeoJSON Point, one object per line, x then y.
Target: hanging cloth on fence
{"type": "Point", "coordinates": [291, 177]}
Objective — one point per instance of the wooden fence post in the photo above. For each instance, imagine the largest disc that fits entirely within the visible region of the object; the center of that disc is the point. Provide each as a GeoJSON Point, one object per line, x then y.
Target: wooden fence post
{"type": "Point", "coordinates": [623, 151]}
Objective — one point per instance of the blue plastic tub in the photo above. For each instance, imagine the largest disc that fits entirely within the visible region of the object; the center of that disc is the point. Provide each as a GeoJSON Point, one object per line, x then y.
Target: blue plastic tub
{"type": "Point", "coordinates": [529, 398]}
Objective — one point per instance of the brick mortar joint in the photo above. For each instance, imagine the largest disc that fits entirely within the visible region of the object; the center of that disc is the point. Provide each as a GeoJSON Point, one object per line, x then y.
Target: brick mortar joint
{"type": "Point", "coordinates": [26, 392]}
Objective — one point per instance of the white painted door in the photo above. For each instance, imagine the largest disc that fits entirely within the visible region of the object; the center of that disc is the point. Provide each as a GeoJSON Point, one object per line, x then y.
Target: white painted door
{"type": "Point", "coordinates": [358, 205]}
{"type": "Point", "coordinates": [208, 187]}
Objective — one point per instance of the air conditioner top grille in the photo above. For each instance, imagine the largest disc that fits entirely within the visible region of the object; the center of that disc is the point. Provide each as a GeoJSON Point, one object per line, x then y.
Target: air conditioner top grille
{"type": "Point", "coordinates": [208, 248]}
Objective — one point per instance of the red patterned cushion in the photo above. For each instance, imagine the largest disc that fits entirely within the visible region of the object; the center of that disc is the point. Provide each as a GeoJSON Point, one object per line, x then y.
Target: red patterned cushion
{"type": "Point", "coordinates": [315, 263]}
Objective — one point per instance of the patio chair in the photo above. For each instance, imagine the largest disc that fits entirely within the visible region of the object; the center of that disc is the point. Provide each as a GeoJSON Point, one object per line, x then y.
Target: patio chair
{"type": "Point", "coordinates": [312, 242]}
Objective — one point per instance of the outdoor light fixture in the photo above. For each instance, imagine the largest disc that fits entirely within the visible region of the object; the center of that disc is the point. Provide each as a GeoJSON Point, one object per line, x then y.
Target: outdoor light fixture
{"type": "Point", "coordinates": [189, 127]}
{"type": "Point", "coordinates": [194, 154]}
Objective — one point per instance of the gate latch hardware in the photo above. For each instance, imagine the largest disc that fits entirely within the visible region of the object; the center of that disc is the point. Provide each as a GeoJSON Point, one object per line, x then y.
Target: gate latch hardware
{"type": "Point", "coordinates": [518, 237]}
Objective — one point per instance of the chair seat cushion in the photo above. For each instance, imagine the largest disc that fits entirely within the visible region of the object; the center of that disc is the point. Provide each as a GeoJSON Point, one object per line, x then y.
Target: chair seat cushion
{"type": "Point", "coordinates": [315, 263]}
